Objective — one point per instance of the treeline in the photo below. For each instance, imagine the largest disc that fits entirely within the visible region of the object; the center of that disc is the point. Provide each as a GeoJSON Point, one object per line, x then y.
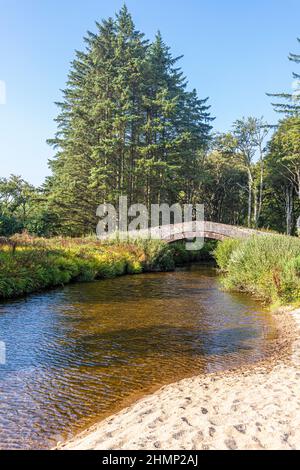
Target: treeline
{"type": "Point", "coordinates": [129, 125]}
{"type": "Point", "coordinates": [24, 208]}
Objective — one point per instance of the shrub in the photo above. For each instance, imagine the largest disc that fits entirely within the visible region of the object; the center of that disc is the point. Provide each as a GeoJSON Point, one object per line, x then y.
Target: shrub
{"type": "Point", "coordinates": [267, 266]}
{"type": "Point", "coordinates": [224, 251]}
{"type": "Point", "coordinates": [158, 256]}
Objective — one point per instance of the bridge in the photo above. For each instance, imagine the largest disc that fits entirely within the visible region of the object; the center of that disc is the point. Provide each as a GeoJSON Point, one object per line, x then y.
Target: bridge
{"type": "Point", "coordinates": [206, 229]}
{"type": "Point", "coordinates": [188, 231]}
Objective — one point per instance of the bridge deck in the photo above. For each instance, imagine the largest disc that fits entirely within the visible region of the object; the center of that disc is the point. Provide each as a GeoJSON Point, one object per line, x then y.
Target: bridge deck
{"type": "Point", "coordinates": [206, 229]}
{"type": "Point", "coordinates": [190, 230]}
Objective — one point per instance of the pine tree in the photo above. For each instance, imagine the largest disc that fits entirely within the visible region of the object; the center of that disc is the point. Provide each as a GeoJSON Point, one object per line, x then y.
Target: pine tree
{"type": "Point", "coordinates": [292, 100]}
{"type": "Point", "coordinates": [72, 191]}
{"type": "Point", "coordinates": [163, 86]}
{"type": "Point", "coordinates": [127, 125]}
{"type": "Point", "coordinates": [195, 124]}
{"type": "Point", "coordinates": [89, 166]}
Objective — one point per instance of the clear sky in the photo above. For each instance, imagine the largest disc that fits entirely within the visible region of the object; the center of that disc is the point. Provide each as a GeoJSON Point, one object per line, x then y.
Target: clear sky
{"type": "Point", "coordinates": [234, 52]}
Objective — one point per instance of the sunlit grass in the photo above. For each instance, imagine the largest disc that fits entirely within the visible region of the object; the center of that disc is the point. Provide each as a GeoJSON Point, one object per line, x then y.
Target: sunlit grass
{"type": "Point", "coordinates": [266, 266]}
{"type": "Point", "coordinates": [33, 264]}
{"type": "Point", "coordinates": [38, 264]}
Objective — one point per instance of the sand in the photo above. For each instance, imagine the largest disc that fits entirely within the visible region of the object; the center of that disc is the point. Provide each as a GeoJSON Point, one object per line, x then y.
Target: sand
{"type": "Point", "coordinates": [255, 407]}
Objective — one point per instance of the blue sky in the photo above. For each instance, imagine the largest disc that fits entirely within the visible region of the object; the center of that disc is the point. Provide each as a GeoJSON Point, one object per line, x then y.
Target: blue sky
{"type": "Point", "coordinates": [234, 52]}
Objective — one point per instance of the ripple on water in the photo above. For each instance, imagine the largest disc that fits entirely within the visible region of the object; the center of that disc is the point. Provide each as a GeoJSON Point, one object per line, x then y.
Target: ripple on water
{"type": "Point", "coordinates": [75, 354]}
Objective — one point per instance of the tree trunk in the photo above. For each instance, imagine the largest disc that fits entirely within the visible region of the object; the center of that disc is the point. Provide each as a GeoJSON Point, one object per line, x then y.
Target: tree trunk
{"type": "Point", "coordinates": [250, 181]}
{"type": "Point", "coordinates": [289, 209]}
{"type": "Point", "coordinates": [261, 186]}
{"type": "Point", "coordinates": [255, 208]}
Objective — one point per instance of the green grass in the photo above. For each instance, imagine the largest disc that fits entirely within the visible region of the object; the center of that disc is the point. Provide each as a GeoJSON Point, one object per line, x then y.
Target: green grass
{"type": "Point", "coordinates": [37, 264]}
{"type": "Point", "coordinates": [266, 266]}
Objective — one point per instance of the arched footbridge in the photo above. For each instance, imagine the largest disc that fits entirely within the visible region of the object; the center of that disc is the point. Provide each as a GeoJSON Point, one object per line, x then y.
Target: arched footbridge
{"type": "Point", "coordinates": [189, 231]}
{"type": "Point", "coordinates": [210, 230]}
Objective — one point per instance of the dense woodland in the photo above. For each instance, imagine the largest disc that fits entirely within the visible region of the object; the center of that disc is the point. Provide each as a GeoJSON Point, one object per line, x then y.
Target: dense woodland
{"type": "Point", "coordinates": [128, 124]}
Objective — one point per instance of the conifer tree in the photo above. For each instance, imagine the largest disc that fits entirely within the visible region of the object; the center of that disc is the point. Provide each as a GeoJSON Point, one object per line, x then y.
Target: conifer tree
{"type": "Point", "coordinates": [291, 106]}
{"type": "Point", "coordinates": [127, 125]}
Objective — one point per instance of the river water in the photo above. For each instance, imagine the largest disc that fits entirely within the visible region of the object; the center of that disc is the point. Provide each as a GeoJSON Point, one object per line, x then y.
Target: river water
{"type": "Point", "coordinates": [76, 354]}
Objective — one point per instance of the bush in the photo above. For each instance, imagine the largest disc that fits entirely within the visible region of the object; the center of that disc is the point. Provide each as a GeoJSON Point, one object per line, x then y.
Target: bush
{"type": "Point", "coordinates": [158, 255]}
{"type": "Point", "coordinates": [267, 266]}
{"type": "Point", "coordinates": [9, 225]}
{"type": "Point", "coordinates": [224, 251]}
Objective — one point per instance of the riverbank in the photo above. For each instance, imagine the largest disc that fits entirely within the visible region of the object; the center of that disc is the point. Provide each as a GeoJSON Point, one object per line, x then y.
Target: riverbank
{"type": "Point", "coordinates": [30, 264]}
{"type": "Point", "coordinates": [255, 407]}
{"type": "Point", "coordinates": [267, 267]}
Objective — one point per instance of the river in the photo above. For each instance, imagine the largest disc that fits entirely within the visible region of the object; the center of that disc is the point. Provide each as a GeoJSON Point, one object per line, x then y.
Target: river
{"type": "Point", "coordinates": [76, 354]}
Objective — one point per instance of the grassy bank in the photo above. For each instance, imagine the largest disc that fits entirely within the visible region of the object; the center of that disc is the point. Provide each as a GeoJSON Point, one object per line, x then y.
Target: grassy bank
{"type": "Point", "coordinates": [32, 264]}
{"type": "Point", "coordinates": [265, 266]}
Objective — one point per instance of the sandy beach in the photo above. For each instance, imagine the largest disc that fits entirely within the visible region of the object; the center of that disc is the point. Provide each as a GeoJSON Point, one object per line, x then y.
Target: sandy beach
{"type": "Point", "coordinates": [255, 407]}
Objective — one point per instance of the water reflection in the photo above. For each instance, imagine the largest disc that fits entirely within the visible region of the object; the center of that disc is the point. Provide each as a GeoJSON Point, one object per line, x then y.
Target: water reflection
{"type": "Point", "coordinates": [75, 354]}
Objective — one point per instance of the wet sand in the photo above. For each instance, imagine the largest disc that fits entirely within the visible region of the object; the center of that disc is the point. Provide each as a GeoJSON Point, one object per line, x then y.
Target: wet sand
{"type": "Point", "coordinates": [254, 407]}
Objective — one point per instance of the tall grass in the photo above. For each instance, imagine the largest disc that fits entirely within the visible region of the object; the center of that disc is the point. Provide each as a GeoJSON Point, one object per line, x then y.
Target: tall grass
{"type": "Point", "coordinates": [267, 266]}
{"type": "Point", "coordinates": [39, 266]}
{"type": "Point", "coordinates": [31, 264]}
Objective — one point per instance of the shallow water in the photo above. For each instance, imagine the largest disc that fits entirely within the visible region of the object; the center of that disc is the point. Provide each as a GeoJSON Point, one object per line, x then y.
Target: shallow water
{"type": "Point", "coordinates": [75, 354]}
